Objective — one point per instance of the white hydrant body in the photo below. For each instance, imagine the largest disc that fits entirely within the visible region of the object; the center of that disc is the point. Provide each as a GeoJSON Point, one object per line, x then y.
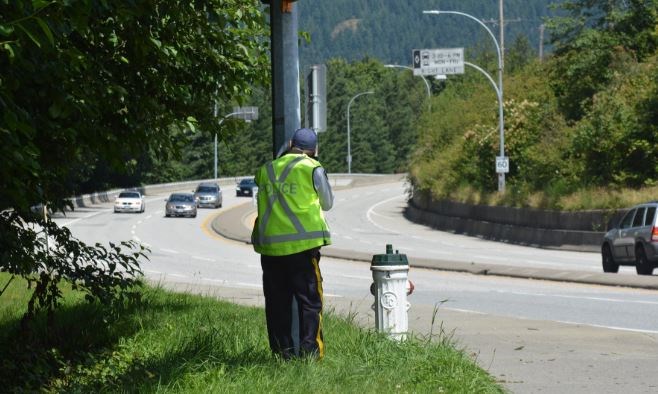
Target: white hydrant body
{"type": "Point", "coordinates": [390, 287]}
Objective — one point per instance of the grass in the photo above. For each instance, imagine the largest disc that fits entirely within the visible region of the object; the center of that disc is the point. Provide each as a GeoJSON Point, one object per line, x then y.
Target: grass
{"type": "Point", "coordinates": [182, 343]}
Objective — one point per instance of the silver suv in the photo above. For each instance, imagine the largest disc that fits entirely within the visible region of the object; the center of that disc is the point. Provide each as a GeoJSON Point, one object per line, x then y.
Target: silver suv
{"type": "Point", "coordinates": [634, 241]}
{"type": "Point", "coordinates": [208, 194]}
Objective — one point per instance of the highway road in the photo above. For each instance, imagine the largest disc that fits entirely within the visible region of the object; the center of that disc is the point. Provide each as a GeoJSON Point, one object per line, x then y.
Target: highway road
{"type": "Point", "coordinates": [533, 335]}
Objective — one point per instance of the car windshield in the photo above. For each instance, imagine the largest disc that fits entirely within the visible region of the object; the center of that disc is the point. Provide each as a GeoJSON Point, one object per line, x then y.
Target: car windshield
{"type": "Point", "coordinates": [206, 189]}
{"type": "Point", "coordinates": [128, 195]}
{"type": "Point", "coordinates": [181, 198]}
{"type": "Point", "coordinates": [247, 182]}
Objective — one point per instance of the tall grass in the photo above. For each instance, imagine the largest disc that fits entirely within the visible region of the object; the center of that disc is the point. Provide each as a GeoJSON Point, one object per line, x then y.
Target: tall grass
{"type": "Point", "coordinates": [172, 342]}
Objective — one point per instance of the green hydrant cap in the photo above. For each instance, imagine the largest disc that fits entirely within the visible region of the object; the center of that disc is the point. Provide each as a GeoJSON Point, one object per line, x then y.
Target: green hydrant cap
{"type": "Point", "coordinates": [389, 258]}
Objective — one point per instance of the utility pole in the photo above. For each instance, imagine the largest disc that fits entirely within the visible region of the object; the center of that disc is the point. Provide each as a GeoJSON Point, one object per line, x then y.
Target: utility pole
{"type": "Point", "coordinates": [286, 112]}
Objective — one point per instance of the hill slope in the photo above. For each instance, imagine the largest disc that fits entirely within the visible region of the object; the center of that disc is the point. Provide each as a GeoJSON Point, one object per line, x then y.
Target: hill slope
{"type": "Point", "coordinates": [389, 29]}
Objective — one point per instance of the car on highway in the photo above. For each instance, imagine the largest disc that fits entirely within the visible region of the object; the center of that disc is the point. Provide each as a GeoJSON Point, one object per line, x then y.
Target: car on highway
{"type": "Point", "coordinates": [208, 194]}
{"type": "Point", "coordinates": [181, 204]}
{"type": "Point", "coordinates": [246, 187]}
{"type": "Point", "coordinates": [129, 201]}
{"type": "Point", "coordinates": [633, 241]}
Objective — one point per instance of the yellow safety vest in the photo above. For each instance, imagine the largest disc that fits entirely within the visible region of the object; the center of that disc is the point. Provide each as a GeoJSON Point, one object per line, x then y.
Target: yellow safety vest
{"type": "Point", "coordinates": [290, 219]}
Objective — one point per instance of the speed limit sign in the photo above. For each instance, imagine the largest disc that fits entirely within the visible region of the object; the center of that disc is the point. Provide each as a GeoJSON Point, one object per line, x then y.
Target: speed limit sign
{"type": "Point", "coordinates": [502, 164]}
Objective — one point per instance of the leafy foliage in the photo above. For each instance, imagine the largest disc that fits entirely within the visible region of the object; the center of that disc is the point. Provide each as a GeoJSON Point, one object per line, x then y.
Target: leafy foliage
{"type": "Point", "coordinates": [92, 87]}
{"type": "Point", "coordinates": [584, 119]}
{"type": "Point", "coordinates": [46, 254]}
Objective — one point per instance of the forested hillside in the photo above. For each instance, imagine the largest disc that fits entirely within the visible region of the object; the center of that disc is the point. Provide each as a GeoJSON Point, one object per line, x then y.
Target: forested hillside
{"type": "Point", "coordinates": [389, 29]}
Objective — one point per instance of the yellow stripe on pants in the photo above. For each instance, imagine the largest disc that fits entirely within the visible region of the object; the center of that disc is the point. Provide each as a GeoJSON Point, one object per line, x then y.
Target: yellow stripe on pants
{"type": "Point", "coordinates": [318, 336]}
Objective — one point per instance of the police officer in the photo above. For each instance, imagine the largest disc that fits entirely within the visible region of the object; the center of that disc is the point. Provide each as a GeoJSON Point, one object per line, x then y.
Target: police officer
{"type": "Point", "coordinates": [293, 190]}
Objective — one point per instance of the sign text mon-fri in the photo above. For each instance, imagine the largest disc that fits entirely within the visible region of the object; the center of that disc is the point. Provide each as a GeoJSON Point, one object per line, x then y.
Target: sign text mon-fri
{"type": "Point", "coordinates": [438, 61]}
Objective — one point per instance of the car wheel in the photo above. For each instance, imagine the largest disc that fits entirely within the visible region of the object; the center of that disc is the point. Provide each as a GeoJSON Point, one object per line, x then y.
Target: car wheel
{"type": "Point", "coordinates": [608, 260]}
{"type": "Point", "coordinates": [642, 265]}
{"type": "Point", "coordinates": [167, 215]}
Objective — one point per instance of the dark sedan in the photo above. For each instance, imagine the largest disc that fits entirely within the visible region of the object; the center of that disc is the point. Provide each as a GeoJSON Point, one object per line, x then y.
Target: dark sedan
{"type": "Point", "coordinates": [245, 187]}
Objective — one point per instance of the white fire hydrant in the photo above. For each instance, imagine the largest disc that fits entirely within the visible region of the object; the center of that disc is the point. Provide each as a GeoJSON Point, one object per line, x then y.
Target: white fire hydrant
{"type": "Point", "coordinates": [390, 288]}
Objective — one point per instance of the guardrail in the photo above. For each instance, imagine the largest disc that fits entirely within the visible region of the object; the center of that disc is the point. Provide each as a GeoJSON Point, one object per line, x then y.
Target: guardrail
{"type": "Point", "coordinates": [336, 180]}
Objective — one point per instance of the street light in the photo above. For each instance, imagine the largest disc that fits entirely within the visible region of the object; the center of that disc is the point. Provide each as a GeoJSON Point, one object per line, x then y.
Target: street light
{"type": "Point", "coordinates": [427, 84]}
{"type": "Point", "coordinates": [247, 113]}
{"type": "Point", "coordinates": [499, 90]}
{"type": "Point", "coordinates": [349, 152]}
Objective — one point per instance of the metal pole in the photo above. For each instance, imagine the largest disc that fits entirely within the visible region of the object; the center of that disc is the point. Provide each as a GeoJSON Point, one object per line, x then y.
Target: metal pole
{"type": "Point", "coordinates": [427, 84]}
{"type": "Point", "coordinates": [286, 115]}
{"type": "Point", "coordinates": [214, 112]}
{"type": "Point", "coordinates": [501, 175]}
{"type": "Point", "coordinates": [349, 151]}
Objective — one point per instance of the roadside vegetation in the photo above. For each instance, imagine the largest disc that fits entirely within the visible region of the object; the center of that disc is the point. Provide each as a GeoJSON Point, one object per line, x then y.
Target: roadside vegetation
{"type": "Point", "coordinates": [580, 128]}
{"type": "Point", "coordinates": [172, 342]}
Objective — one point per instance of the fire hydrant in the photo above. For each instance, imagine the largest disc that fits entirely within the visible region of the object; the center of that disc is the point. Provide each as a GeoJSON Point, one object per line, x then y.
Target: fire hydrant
{"type": "Point", "coordinates": [390, 288]}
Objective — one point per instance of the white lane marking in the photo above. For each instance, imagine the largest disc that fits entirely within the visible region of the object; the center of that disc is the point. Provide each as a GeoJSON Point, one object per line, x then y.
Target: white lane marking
{"type": "Point", "coordinates": [177, 275]}
{"type": "Point", "coordinates": [347, 237]}
{"type": "Point", "coordinates": [86, 217]}
{"type": "Point", "coordinates": [170, 251]}
{"type": "Point", "coordinates": [590, 298]}
{"type": "Point", "coordinates": [202, 258]}
{"type": "Point", "coordinates": [214, 280]}
{"type": "Point", "coordinates": [146, 244]}
{"type": "Point", "coordinates": [159, 212]}
{"type": "Point", "coordinates": [136, 239]}
{"type": "Point", "coordinates": [372, 209]}
{"type": "Point", "coordinates": [148, 217]}
{"type": "Point", "coordinates": [134, 226]}
{"type": "Point", "coordinates": [152, 272]}
{"type": "Point", "coordinates": [356, 277]}
{"type": "Point", "coordinates": [139, 222]}
{"type": "Point", "coordinates": [488, 257]}
{"type": "Point", "coordinates": [638, 330]}
{"type": "Point", "coordinates": [462, 310]}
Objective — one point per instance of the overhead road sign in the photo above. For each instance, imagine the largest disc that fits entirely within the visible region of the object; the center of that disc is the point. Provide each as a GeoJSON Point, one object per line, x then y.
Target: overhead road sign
{"type": "Point", "coordinates": [438, 61]}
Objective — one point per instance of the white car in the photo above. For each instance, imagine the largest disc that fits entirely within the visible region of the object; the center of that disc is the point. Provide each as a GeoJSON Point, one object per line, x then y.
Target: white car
{"type": "Point", "coordinates": [129, 201]}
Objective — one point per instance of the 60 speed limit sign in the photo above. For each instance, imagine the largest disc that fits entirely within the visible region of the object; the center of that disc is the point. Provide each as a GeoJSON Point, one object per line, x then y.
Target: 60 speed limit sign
{"type": "Point", "coordinates": [502, 164]}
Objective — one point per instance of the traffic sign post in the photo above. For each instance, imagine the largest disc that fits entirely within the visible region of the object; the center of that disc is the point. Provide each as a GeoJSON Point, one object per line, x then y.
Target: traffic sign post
{"type": "Point", "coordinates": [438, 61]}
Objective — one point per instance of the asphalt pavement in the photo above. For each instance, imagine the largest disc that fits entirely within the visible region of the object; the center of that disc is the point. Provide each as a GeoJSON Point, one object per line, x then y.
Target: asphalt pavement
{"type": "Point", "coordinates": [236, 224]}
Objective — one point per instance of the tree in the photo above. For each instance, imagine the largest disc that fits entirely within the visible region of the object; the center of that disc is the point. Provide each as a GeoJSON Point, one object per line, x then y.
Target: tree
{"type": "Point", "coordinates": [593, 35]}
{"type": "Point", "coordinates": [90, 83]}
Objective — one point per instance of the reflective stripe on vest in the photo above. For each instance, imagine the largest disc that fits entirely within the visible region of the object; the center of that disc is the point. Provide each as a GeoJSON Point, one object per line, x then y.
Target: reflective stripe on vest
{"type": "Point", "coordinates": [298, 232]}
{"type": "Point", "coordinates": [301, 234]}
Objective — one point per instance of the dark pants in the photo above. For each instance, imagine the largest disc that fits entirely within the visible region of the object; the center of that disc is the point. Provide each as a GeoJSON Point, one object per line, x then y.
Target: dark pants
{"type": "Point", "coordinates": [284, 277]}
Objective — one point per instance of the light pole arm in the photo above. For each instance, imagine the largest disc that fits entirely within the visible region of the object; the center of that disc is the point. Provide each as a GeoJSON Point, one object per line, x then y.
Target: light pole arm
{"type": "Point", "coordinates": [427, 84]}
{"type": "Point", "coordinates": [498, 52]}
{"type": "Point", "coordinates": [486, 74]}
{"type": "Point", "coordinates": [349, 148]}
